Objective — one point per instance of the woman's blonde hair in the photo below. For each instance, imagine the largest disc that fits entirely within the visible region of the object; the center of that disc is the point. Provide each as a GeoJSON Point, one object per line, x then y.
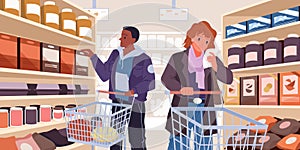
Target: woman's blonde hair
{"type": "Point", "coordinates": [198, 28]}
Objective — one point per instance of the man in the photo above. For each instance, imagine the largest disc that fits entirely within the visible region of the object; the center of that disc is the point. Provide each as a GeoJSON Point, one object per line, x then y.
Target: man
{"type": "Point", "coordinates": [128, 70]}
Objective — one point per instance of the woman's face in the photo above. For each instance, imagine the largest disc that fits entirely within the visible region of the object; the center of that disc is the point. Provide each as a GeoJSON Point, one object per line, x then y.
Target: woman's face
{"type": "Point", "coordinates": [201, 41]}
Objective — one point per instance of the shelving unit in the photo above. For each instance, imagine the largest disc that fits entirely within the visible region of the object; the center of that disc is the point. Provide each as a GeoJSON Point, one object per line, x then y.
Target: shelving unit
{"type": "Point", "coordinates": [261, 36]}
{"type": "Point", "coordinates": [27, 129]}
{"type": "Point", "coordinates": [21, 27]}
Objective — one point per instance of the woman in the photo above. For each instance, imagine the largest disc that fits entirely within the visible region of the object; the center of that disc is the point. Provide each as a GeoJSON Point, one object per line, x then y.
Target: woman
{"type": "Point", "coordinates": [195, 69]}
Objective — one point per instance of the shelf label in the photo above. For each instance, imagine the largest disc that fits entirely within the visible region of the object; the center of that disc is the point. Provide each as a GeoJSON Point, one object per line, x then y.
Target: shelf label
{"type": "Point", "coordinates": [14, 4]}
{"type": "Point", "coordinates": [70, 24]}
{"type": "Point", "coordinates": [251, 56]}
{"type": "Point", "coordinates": [85, 31]}
{"type": "Point", "coordinates": [290, 51]}
{"type": "Point", "coordinates": [33, 9]}
{"type": "Point", "coordinates": [233, 59]}
{"type": "Point", "coordinates": [52, 18]}
{"type": "Point", "coordinates": [270, 53]}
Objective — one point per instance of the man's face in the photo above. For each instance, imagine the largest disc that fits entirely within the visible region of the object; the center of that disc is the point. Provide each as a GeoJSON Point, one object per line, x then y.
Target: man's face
{"type": "Point", "coordinates": [126, 38]}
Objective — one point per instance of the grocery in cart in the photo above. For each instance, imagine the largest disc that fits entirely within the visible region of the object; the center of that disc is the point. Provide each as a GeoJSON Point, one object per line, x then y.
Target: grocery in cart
{"type": "Point", "coordinates": [99, 123]}
{"type": "Point", "coordinates": [214, 128]}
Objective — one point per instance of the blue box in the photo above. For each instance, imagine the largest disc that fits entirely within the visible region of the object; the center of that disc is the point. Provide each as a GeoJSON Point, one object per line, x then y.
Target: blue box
{"type": "Point", "coordinates": [236, 29]}
{"type": "Point", "coordinates": [285, 16]}
{"type": "Point", "coordinates": [260, 23]}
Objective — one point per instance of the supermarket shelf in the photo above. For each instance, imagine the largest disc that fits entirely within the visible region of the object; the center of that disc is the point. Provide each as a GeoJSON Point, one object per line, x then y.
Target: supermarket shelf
{"type": "Point", "coordinates": [263, 106]}
{"type": "Point", "coordinates": [259, 9]}
{"type": "Point", "coordinates": [37, 97]}
{"type": "Point", "coordinates": [12, 72]}
{"type": "Point", "coordinates": [75, 146]}
{"type": "Point", "coordinates": [254, 111]}
{"type": "Point", "coordinates": [18, 26]}
{"type": "Point", "coordinates": [69, 4]}
{"type": "Point", "coordinates": [26, 129]}
{"type": "Point", "coordinates": [261, 36]}
{"type": "Point", "coordinates": [276, 68]}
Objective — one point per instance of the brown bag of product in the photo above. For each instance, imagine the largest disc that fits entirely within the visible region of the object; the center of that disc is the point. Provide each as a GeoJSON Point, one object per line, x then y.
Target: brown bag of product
{"type": "Point", "coordinates": [285, 127]}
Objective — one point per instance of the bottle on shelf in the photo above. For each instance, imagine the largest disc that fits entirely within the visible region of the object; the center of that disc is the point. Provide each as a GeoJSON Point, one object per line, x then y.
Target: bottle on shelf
{"type": "Point", "coordinates": [4, 118]}
{"type": "Point", "coordinates": [236, 57]}
{"type": "Point", "coordinates": [68, 21]}
{"type": "Point", "coordinates": [84, 27]}
{"type": "Point", "coordinates": [31, 115]}
{"type": "Point", "coordinates": [45, 113]}
{"type": "Point", "coordinates": [10, 6]}
{"type": "Point", "coordinates": [273, 49]}
{"type": "Point", "coordinates": [50, 14]}
{"type": "Point", "coordinates": [254, 54]}
{"type": "Point", "coordinates": [291, 50]}
{"type": "Point", "coordinates": [16, 115]}
{"type": "Point", "coordinates": [31, 10]}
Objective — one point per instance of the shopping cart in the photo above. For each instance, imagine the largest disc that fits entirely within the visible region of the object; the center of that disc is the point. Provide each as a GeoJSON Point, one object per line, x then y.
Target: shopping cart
{"type": "Point", "coordinates": [99, 123]}
{"type": "Point", "coordinates": [214, 128]}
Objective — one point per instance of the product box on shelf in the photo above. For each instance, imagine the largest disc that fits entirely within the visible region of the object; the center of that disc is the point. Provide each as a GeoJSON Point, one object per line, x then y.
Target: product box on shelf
{"type": "Point", "coordinates": [291, 51]}
{"type": "Point", "coordinates": [50, 58]}
{"type": "Point", "coordinates": [67, 89]}
{"type": "Point", "coordinates": [236, 57]}
{"type": "Point", "coordinates": [273, 51]}
{"type": "Point", "coordinates": [8, 51]}
{"type": "Point", "coordinates": [285, 16]}
{"type": "Point", "coordinates": [67, 60]}
{"type": "Point", "coordinates": [259, 23]}
{"type": "Point", "coordinates": [82, 63]}
{"type": "Point", "coordinates": [268, 89]}
{"type": "Point", "coordinates": [236, 29]}
{"type": "Point", "coordinates": [13, 89]}
{"type": "Point", "coordinates": [81, 89]}
{"type": "Point", "coordinates": [290, 88]}
{"type": "Point", "coordinates": [30, 54]}
{"type": "Point", "coordinates": [47, 89]}
{"type": "Point", "coordinates": [233, 93]}
{"type": "Point", "coordinates": [253, 54]}
{"type": "Point", "coordinates": [249, 90]}
{"type": "Point", "coordinates": [84, 89]}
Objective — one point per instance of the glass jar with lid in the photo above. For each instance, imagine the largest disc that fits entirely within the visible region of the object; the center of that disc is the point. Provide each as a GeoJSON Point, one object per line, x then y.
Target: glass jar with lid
{"type": "Point", "coordinates": [31, 10]}
{"type": "Point", "coordinates": [10, 6]}
{"type": "Point", "coordinates": [84, 27]}
{"type": "Point", "coordinates": [68, 21]}
{"type": "Point", "coordinates": [50, 14]}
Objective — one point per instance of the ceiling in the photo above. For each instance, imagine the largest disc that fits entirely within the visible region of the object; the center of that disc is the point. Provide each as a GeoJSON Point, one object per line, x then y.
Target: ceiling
{"type": "Point", "coordinates": [145, 13]}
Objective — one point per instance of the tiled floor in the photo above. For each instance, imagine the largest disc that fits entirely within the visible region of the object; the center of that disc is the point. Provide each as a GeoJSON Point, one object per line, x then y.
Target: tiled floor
{"type": "Point", "coordinates": [156, 135]}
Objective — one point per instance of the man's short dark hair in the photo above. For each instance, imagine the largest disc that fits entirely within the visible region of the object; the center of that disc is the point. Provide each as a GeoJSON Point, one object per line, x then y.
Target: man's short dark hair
{"type": "Point", "coordinates": [134, 32]}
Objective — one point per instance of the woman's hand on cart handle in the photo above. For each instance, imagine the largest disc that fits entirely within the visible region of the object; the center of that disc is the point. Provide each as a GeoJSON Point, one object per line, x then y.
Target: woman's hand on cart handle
{"type": "Point", "coordinates": [187, 91]}
{"type": "Point", "coordinates": [119, 93]}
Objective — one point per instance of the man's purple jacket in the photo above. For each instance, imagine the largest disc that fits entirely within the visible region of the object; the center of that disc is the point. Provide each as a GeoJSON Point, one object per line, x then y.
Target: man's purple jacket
{"type": "Point", "coordinates": [141, 79]}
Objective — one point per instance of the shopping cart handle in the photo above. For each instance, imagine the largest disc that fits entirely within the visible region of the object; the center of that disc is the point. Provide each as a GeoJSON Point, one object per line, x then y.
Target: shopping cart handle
{"type": "Point", "coordinates": [116, 93]}
{"type": "Point", "coordinates": [195, 92]}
